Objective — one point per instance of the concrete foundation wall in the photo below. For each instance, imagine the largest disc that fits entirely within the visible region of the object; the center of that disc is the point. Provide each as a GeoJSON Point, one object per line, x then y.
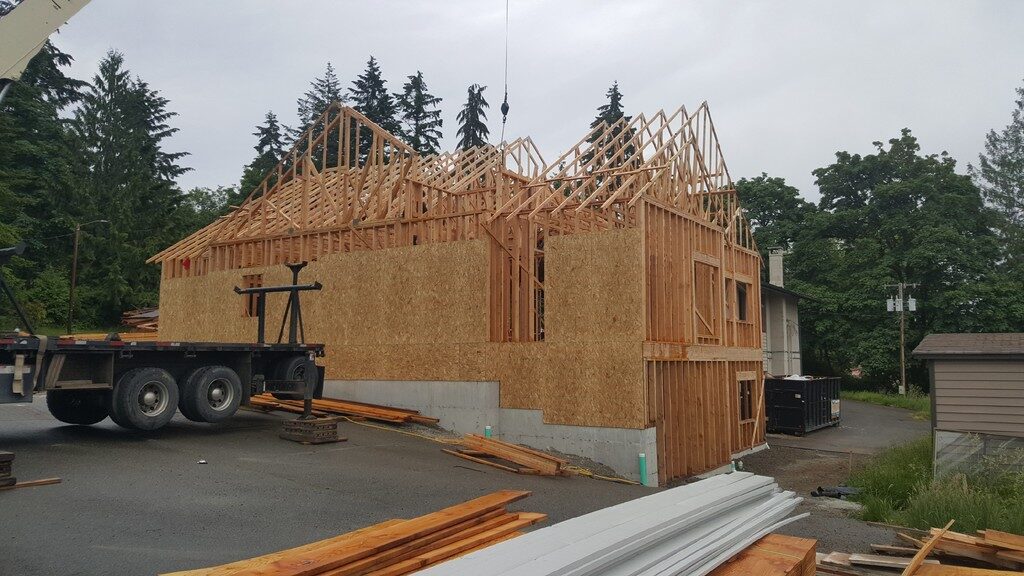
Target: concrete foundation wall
{"type": "Point", "coordinates": [468, 407]}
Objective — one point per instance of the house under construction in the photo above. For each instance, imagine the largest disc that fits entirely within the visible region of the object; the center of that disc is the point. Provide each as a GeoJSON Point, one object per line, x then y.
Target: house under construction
{"type": "Point", "coordinates": [604, 303]}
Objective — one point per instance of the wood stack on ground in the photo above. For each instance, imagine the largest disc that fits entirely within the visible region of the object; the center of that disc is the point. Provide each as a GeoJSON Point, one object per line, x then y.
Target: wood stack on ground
{"type": "Point", "coordinates": [337, 406]}
{"type": "Point", "coordinates": [394, 547]}
{"type": "Point", "coordinates": [692, 530]}
{"type": "Point", "coordinates": [949, 553]}
{"type": "Point", "coordinates": [773, 555]}
{"type": "Point", "coordinates": [123, 336]}
{"type": "Point", "coordinates": [142, 320]}
{"type": "Point", "coordinates": [6, 469]}
{"type": "Point", "coordinates": [519, 459]}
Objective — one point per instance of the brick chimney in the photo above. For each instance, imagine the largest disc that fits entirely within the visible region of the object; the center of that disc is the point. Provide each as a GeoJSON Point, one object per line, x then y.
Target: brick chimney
{"type": "Point", "coordinates": [775, 276]}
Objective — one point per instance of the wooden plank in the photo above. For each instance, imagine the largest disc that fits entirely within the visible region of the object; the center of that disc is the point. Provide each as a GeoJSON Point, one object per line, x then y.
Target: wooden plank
{"type": "Point", "coordinates": [772, 555]}
{"type": "Point", "coordinates": [480, 460]}
{"type": "Point", "coordinates": [345, 553]}
{"type": "Point", "coordinates": [31, 483]}
{"type": "Point", "coordinates": [884, 561]}
{"type": "Point", "coordinates": [1004, 540]}
{"type": "Point", "coordinates": [919, 558]}
{"type": "Point", "coordinates": [944, 570]}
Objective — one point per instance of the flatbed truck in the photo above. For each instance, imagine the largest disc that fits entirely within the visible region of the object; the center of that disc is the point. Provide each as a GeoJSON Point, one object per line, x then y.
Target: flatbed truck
{"type": "Point", "coordinates": [140, 385]}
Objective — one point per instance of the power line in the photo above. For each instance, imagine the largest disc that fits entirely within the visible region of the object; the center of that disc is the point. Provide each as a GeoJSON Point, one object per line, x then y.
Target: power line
{"type": "Point", "coordinates": [504, 104]}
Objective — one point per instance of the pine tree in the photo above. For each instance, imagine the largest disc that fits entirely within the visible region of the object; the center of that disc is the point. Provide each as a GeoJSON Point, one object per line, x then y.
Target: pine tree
{"type": "Point", "coordinates": [322, 93]}
{"type": "Point", "coordinates": [128, 179]}
{"type": "Point", "coordinates": [421, 115]}
{"type": "Point", "coordinates": [370, 96]}
{"type": "Point", "coordinates": [608, 114]}
{"type": "Point", "coordinates": [269, 150]}
{"type": "Point", "coordinates": [472, 118]}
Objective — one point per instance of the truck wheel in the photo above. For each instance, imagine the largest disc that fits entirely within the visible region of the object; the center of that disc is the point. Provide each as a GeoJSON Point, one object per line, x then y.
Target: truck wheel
{"type": "Point", "coordinates": [212, 394]}
{"type": "Point", "coordinates": [83, 407]}
{"type": "Point", "coordinates": [184, 393]}
{"type": "Point", "coordinates": [294, 368]}
{"type": "Point", "coordinates": [144, 399]}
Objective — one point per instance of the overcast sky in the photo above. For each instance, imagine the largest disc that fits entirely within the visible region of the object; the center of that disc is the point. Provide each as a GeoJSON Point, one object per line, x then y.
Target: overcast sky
{"type": "Point", "coordinates": [788, 83]}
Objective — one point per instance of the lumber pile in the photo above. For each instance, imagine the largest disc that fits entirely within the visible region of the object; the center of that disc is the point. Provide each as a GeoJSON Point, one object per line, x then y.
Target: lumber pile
{"type": "Point", "coordinates": [691, 530]}
{"type": "Point", "coordinates": [123, 336]}
{"type": "Point", "coordinates": [1002, 551]}
{"type": "Point", "coordinates": [394, 547]}
{"type": "Point", "coordinates": [338, 407]}
{"type": "Point", "coordinates": [519, 459]}
{"type": "Point", "coordinates": [773, 555]}
{"type": "Point", "coordinates": [142, 320]}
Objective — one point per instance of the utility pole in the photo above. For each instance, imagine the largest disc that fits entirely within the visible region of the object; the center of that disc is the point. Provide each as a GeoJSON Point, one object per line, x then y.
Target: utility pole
{"type": "Point", "coordinates": [901, 305]}
{"type": "Point", "coordinates": [74, 271]}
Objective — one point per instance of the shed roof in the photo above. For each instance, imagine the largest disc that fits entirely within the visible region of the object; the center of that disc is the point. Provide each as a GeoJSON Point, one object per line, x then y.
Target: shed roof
{"type": "Point", "coordinates": [971, 345]}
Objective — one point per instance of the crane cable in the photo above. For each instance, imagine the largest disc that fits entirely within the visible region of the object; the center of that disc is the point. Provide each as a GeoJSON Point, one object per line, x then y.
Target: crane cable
{"type": "Point", "coordinates": [504, 104]}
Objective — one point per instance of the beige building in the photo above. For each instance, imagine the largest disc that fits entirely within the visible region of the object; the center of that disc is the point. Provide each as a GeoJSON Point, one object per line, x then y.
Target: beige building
{"type": "Point", "coordinates": [977, 390]}
{"type": "Point", "coordinates": [780, 321]}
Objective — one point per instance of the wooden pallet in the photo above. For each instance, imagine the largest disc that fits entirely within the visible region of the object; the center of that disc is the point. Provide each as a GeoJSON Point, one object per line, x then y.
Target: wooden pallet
{"type": "Point", "coordinates": [394, 547]}
{"type": "Point", "coordinates": [315, 431]}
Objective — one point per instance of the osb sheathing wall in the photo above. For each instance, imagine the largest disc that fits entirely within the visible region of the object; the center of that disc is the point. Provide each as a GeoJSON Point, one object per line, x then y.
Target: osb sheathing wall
{"type": "Point", "coordinates": [420, 313]}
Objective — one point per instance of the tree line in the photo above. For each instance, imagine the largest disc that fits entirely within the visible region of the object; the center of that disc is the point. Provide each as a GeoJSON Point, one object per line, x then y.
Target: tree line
{"type": "Point", "coordinates": [897, 215]}
{"type": "Point", "coordinates": [93, 155]}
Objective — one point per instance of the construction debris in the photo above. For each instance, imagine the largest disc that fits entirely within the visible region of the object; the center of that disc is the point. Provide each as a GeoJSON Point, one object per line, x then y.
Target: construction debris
{"type": "Point", "coordinates": [523, 460]}
{"type": "Point", "coordinates": [395, 547]}
{"type": "Point", "coordinates": [142, 320]}
{"type": "Point", "coordinates": [692, 530]}
{"type": "Point", "coordinates": [335, 406]}
{"type": "Point", "coordinates": [992, 547]}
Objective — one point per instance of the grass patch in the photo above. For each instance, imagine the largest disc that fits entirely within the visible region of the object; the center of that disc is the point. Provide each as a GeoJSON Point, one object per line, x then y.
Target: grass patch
{"type": "Point", "coordinates": [897, 487]}
{"type": "Point", "coordinates": [920, 404]}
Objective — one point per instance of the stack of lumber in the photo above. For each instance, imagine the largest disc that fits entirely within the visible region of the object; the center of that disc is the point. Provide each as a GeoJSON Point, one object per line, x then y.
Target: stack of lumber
{"type": "Point", "coordinates": [1003, 551]}
{"type": "Point", "coordinates": [519, 459]}
{"type": "Point", "coordinates": [142, 320]}
{"type": "Point", "coordinates": [394, 547]}
{"type": "Point", "coordinates": [773, 555]}
{"type": "Point", "coordinates": [336, 406]}
{"type": "Point", "coordinates": [692, 530]}
{"type": "Point", "coordinates": [123, 336]}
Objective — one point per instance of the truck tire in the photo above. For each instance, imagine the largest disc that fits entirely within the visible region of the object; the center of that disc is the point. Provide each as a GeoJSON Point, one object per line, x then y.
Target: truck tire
{"type": "Point", "coordinates": [294, 368]}
{"type": "Point", "coordinates": [211, 394]}
{"type": "Point", "coordinates": [144, 399]}
{"type": "Point", "coordinates": [82, 407]}
{"type": "Point", "coordinates": [187, 384]}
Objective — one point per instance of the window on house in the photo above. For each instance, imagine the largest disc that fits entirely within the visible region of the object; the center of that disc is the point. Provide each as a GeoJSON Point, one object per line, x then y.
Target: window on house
{"type": "Point", "coordinates": [746, 400]}
{"type": "Point", "coordinates": [249, 308]}
{"type": "Point", "coordinates": [742, 301]}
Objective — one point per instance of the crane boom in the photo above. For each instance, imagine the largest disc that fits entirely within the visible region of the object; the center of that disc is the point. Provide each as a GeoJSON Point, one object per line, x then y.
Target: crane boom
{"type": "Point", "coordinates": [24, 30]}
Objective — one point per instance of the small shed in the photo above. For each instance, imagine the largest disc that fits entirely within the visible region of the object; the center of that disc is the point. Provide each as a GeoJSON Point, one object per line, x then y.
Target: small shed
{"type": "Point", "coordinates": [977, 384]}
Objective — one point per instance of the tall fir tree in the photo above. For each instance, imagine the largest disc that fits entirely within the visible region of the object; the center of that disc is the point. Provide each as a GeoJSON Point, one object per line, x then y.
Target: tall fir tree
{"type": "Point", "coordinates": [472, 119]}
{"type": "Point", "coordinates": [322, 92]}
{"type": "Point", "coordinates": [615, 138]}
{"type": "Point", "coordinates": [38, 196]}
{"type": "Point", "coordinates": [1000, 175]}
{"type": "Point", "coordinates": [419, 109]}
{"type": "Point", "coordinates": [369, 94]}
{"type": "Point", "coordinates": [269, 150]}
{"type": "Point", "coordinates": [127, 179]}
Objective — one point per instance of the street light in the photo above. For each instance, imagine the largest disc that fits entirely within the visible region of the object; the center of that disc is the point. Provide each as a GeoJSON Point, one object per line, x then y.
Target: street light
{"type": "Point", "coordinates": [74, 270]}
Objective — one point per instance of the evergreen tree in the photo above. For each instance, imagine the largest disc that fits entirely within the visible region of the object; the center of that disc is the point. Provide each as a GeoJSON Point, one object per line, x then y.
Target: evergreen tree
{"type": "Point", "coordinates": [269, 150]}
{"type": "Point", "coordinates": [128, 179]}
{"type": "Point", "coordinates": [322, 92]}
{"type": "Point", "coordinates": [421, 115]}
{"type": "Point", "coordinates": [472, 119]}
{"type": "Point", "coordinates": [1000, 175]}
{"type": "Point", "coordinates": [38, 197]}
{"type": "Point", "coordinates": [608, 114]}
{"type": "Point", "coordinates": [370, 96]}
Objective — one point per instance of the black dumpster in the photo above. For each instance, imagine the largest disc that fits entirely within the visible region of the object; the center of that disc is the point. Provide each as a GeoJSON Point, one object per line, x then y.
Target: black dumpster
{"type": "Point", "coordinates": [801, 406]}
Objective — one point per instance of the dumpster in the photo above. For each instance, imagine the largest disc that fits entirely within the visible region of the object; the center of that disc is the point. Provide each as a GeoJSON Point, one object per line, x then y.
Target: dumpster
{"type": "Point", "coordinates": [801, 405]}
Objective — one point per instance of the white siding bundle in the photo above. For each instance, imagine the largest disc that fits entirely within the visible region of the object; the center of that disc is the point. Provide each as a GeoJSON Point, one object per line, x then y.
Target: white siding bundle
{"type": "Point", "coordinates": [687, 530]}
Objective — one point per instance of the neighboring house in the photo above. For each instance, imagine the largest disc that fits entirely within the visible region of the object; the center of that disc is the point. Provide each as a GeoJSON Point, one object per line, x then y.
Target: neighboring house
{"type": "Point", "coordinates": [604, 304]}
{"type": "Point", "coordinates": [977, 390]}
{"type": "Point", "coordinates": [780, 321]}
